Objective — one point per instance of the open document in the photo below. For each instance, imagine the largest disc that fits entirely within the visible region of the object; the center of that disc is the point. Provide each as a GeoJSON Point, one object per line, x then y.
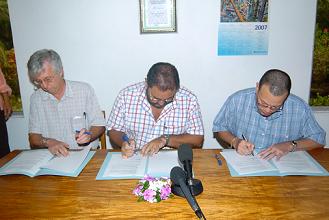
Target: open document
{"type": "Point", "coordinates": [42, 162]}
{"type": "Point", "coordinates": [135, 167]}
{"type": "Point", "coordinates": [295, 163]}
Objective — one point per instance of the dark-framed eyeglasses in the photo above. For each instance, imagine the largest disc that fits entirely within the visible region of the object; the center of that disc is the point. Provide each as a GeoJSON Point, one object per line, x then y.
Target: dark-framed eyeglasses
{"type": "Point", "coordinates": [262, 104]}
{"type": "Point", "coordinates": [157, 100]}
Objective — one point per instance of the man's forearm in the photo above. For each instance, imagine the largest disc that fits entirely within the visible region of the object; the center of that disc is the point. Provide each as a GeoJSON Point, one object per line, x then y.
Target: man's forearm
{"type": "Point", "coordinates": [195, 140]}
{"type": "Point", "coordinates": [116, 138]}
{"type": "Point", "coordinates": [37, 141]}
{"type": "Point", "coordinates": [96, 132]}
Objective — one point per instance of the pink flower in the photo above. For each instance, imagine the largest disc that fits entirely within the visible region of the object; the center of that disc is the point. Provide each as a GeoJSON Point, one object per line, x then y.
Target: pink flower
{"type": "Point", "coordinates": [137, 190]}
{"type": "Point", "coordinates": [153, 189]}
{"type": "Point", "coordinates": [165, 192]}
{"type": "Point", "coordinates": [149, 195]}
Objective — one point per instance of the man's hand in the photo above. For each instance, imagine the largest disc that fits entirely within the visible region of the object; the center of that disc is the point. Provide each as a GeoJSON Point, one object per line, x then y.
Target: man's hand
{"type": "Point", "coordinates": [153, 146]}
{"type": "Point", "coordinates": [7, 109]}
{"type": "Point", "coordinates": [83, 137]}
{"type": "Point", "coordinates": [244, 147]}
{"type": "Point", "coordinates": [276, 150]}
{"type": "Point", "coordinates": [127, 148]}
{"type": "Point", "coordinates": [57, 148]}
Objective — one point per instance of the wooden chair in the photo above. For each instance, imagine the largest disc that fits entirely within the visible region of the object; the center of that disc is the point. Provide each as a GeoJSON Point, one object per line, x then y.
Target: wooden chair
{"type": "Point", "coordinates": [102, 138]}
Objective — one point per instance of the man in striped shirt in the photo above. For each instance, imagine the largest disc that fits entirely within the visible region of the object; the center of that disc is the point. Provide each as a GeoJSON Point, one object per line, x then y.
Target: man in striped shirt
{"type": "Point", "coordinates": [158, 113]}
{"type": "Point", "coordinates": [268, 119]}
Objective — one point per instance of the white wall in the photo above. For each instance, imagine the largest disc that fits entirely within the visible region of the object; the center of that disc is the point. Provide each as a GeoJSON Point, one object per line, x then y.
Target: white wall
{"type": "Point", "coordinates": [100, 42]}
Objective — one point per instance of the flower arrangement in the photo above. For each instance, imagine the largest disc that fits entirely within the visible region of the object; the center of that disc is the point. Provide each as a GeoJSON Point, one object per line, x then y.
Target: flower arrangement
{"type": "Point", "coordinates": [153, 189]}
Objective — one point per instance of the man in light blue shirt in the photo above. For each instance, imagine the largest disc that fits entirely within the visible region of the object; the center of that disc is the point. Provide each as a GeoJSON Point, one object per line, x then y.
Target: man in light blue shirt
{"type": "Point", "coordinates": [268, 120]}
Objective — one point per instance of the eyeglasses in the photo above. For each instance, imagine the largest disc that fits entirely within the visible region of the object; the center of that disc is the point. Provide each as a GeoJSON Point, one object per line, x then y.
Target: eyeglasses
{"type": "Point", "coordinates": [46, 80]}
{"type": "Point", "coordinates": [157, 100]}
{"type": "Point", "coordinates": [261, 103]}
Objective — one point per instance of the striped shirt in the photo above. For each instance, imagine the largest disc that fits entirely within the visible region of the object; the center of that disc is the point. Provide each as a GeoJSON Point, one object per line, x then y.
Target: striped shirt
{"type": "Point", "coordinates": [239, 115]}
{"type": "Point", "coordinates": [52, 118]}
{"type": "Point", "coordinates": [132, 115]}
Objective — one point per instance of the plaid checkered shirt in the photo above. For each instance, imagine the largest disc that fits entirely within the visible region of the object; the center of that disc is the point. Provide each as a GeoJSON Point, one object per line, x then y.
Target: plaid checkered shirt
{"type": "Point", "coordinates": [132, 115]}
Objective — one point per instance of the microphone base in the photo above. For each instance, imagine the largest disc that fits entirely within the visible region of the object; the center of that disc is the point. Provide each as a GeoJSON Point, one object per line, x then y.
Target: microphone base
{"type": "Point", "coordinates": [196, 189]}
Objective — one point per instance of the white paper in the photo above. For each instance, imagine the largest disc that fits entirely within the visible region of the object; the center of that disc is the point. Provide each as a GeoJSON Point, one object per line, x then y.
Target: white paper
{"type": "Point", "coordinates": [70, 163]}
{"type": "Point", "coordinates": [246, 164]}
{"type": "Point", "coordinates": [157, 165]}
{"type": "Point", "coordinates": [162, 163]}
{"type": "Point", "coordinates": [120, 167]}
{"type": "Point", "coordinates": [296, 162]}
{"type": "Point", "coordinates": [28, 162]}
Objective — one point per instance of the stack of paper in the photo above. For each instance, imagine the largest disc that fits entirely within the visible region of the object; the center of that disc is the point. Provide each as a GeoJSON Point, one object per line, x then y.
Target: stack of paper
{"type": "Point", "coordinates": [158, 165]}
{"type": "Point", "coordinates": [42, 162]}
{"type": "Point", "coordinates": [295, 163]}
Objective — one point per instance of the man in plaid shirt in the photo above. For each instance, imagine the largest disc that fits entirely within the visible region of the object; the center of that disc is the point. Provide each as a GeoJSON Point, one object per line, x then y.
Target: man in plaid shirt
{"type": "Point", "coordinates": [158, 113]}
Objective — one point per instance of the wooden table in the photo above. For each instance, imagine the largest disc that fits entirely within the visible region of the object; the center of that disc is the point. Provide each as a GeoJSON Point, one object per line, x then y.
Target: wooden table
{"type": "Point", "coordinates": [224, 197]}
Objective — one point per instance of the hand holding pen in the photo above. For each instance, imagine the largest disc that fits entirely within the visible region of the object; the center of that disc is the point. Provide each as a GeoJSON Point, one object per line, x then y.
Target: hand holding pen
{"type": "Point", "coordinates": [248, 145]}
{"type": "Point", "coordinates": [128, 147]}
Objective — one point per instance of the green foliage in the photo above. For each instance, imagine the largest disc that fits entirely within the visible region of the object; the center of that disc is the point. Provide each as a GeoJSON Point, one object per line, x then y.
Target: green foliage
{"type": "Point", "coordinates": [320, 72]}
{"type": "Point", "coordinates": [7, 56]}
{"type": "Point", "coordinates": [320, 100]}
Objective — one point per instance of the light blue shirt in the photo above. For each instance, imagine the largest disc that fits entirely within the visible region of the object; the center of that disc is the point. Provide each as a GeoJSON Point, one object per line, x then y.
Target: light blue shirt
{"type": "Point", "coordinates": [295, 120]}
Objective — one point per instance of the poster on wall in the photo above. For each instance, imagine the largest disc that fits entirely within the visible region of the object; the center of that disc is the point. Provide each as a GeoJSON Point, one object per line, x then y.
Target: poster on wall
{"type": "Point", "coordinates": [243, 28]}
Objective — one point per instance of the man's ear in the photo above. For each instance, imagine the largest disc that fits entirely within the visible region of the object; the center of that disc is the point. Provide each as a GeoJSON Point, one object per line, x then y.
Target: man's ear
{"type": "Point", "coordinates": [62, 73]}
{"type": "Point", "coordinates": [257, 87]}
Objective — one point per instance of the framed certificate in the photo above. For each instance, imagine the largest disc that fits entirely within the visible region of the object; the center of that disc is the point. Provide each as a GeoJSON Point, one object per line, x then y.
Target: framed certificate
{"type": "Point", "coordinates": [157, 16]}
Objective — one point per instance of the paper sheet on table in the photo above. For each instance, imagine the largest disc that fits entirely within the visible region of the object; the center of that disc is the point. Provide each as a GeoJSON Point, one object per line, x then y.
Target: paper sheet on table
{"type": "Point", "coordinates": [246, 164]}
{"type": "Point", "coordinates": [28, 162]}
{"type": "Point", "coordinates": [296, 162]}
{"type": "Point", "coordinates": [118, 166]}
{"type": "Point", "coordinates": [68, 164]}
{"type": "Point", "coordinates": [161, 164]}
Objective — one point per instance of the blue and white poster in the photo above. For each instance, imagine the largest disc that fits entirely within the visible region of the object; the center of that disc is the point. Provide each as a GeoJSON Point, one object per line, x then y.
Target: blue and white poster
{"type": "Point", "coordinates": [243, 28]}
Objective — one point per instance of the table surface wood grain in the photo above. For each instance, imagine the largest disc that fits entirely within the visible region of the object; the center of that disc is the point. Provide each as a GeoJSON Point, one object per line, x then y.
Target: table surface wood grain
{"type": "Point", "coordinates": [224, 197]}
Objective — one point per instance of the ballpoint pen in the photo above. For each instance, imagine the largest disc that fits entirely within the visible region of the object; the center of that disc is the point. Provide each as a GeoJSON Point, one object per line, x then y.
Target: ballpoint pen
{"type": "Point", "coordinates": [244, 138]}
{"type": "Point", "coordinates": [126, 139]}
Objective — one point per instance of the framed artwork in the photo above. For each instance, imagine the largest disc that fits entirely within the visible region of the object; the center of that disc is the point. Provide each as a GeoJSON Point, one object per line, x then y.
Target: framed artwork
{"type": "Point", "coordinates": [157, 16]}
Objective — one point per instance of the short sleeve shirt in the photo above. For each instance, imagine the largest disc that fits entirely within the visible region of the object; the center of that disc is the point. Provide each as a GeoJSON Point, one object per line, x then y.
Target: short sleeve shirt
{"type": "Point", "coordinates": [52, 118]}
{"type": "Point", "coordinates": [239, 115]}
{"type": "Point", "coordinates": [132, 115]}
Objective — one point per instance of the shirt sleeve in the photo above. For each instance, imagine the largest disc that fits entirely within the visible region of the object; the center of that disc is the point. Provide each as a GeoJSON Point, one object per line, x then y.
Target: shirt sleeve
{"type": "Point", "coordinates": [223, 119]}
{"type": "Point", "coordinates": [34, 117]}
{"type": "Point", "coordinates": [116, 117]}
{"type": "Point", "coordinates": [195, 121]}
{"type": "Point", "coordinates": [311, 129]}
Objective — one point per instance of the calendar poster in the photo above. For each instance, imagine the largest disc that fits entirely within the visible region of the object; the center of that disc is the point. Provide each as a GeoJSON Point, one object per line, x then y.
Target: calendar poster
{"type": "Point", "coordinates": [243, 28]}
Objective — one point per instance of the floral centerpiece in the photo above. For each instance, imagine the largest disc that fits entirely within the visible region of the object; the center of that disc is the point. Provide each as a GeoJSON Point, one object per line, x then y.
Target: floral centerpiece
{"type": "Point", "coordinates": [153, 189]}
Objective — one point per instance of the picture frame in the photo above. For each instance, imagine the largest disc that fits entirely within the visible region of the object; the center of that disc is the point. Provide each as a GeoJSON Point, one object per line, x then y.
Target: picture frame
{"type": "Point", "coordinates": [157, 16]}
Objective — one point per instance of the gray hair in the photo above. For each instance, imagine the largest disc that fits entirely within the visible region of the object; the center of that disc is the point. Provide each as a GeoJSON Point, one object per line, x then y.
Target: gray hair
{"type": "Point", "coordinates": [278, 81]}
{"type": "Point", "coordinates": [39, 58]}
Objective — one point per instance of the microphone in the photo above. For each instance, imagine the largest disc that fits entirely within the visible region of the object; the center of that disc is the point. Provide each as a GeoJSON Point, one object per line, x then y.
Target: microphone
{"type": "Point", "coordinates": [185, 156]}
{"type": "Point", "coordinates": [178, 176]}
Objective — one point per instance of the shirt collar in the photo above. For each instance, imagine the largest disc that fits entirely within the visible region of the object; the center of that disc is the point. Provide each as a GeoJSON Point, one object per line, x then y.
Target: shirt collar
{"type": "Point", "coordinates": [67, 93]}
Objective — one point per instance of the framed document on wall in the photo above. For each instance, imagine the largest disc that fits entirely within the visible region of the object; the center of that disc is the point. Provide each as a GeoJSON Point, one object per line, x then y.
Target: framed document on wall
{"type": "Point", "coordinates": [157, 16]}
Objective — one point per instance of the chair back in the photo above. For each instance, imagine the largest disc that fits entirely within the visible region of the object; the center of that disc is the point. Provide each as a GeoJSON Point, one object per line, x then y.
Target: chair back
{"type": "Point", "coordinates": [102, 138]}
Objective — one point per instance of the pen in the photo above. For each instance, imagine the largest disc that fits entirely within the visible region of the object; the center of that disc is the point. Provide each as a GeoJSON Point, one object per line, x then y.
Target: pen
{"type": "Point", "coordinates": [86, 132]}
{"type": "Point", "coordinates": [244, 138]}
{"type": "Point", "coordinates": [218, 159]}
{"type": "Point", "coordinates": [126, 139]}
{"type": "Point", "coordinates": [85, 124]}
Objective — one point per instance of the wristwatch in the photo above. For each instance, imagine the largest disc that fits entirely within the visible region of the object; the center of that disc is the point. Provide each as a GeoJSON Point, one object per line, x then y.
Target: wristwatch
{"type": "Point", "coordinates": [294, 146]}
{"type": "Point", "coordinates": [44, 141]}
{"type": "Point", "coordinates": [166, 136]}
